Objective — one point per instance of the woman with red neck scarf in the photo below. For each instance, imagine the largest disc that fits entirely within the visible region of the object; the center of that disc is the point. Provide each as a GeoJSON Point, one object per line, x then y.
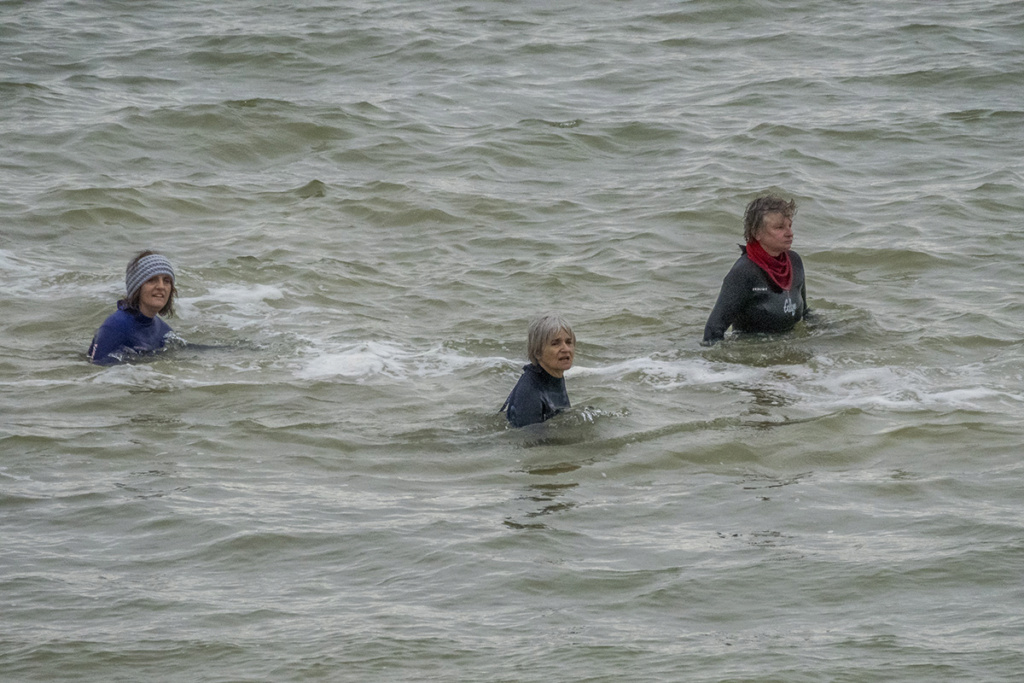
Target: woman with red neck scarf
{"type": "Point", "coordinates": [764, 292]}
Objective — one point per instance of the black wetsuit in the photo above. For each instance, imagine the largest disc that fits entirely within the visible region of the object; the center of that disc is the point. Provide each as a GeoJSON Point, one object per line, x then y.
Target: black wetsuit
{"type": "Point", "coordinates": [751, 302]}
{"type": "Point", "coordinates": [536, 397]}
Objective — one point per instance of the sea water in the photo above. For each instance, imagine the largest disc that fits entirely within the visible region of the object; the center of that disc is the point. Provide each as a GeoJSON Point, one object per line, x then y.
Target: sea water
{"type": "Point", "coordinates": [366, 203]}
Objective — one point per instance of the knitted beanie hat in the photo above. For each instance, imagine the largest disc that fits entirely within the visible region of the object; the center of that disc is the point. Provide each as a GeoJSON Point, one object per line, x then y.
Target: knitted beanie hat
{"type": "Point", "coordinates": [146, 267]}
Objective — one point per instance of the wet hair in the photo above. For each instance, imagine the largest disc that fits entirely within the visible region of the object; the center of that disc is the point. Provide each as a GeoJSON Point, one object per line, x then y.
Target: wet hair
{"type": "Point", "coordinates": [753, 217]}
{"type": "Point", "coordinates": [132, 301]}
{"type": "Point", "coordinates": [542, 330]}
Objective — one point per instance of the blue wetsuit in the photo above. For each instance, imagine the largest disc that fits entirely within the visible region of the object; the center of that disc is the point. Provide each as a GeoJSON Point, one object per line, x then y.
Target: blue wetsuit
{"type": "Point", "coordinates": [127, 330]}
{"type": "Point", "coordinates": [751, 302]}
{"type": "Point", "coordinates": [536, 397]}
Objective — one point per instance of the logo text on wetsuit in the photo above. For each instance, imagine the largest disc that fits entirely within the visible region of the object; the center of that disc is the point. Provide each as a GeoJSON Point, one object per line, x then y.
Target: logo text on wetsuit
{"type": "Point", "coordinates": [789, 306]}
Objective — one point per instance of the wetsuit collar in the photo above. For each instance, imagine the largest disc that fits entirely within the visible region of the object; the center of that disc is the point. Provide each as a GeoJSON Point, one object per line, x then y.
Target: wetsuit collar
{"type": "Point", "coordinates": [139, 316]}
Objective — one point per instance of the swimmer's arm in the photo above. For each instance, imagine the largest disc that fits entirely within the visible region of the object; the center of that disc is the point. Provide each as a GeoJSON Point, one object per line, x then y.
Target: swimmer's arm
{"type": "Point", "coordinates": [731, 300]}
{"type": "Point", "coordinates": [525, 409]}
{"type": "Point", "coordinates": [109, 339]}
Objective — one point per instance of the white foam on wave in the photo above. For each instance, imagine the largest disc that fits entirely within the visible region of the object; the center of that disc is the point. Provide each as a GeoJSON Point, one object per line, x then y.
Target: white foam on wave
{"type": "Point", "coordinates": [359, 361]}
{"type": "Point", "coordinates": [237, 306]}
{"type": "Point", "coordinates": [885, 388]}
{"type": "Point", "coordinates": [369, 359]}
{"type": "Point", "coordinates": [820, 384]}
{"type": "Point", "coordinates": [145, 376]}
{"type": "Point", "coordinates": [244, 294]}
{"type": "Point", "coordinates": [236, 295]}
{"type": "Point", "coordinates": [132, 375]}
{"type": "Point", "coordinates": [669, 374]}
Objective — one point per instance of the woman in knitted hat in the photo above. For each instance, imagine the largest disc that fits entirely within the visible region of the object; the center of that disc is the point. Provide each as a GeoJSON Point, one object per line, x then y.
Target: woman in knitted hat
{"type": "Point", "coordinates": [134, 327]}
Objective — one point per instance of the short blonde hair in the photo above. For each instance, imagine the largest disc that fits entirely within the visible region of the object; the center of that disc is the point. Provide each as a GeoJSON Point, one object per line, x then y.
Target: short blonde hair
{"type": "Point", "coordinates": [542, 330]}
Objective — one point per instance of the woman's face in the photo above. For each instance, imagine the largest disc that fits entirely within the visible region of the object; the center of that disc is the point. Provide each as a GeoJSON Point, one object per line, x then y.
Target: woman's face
{"type": "Point", "coordinates": [557, 354]}
{"type": "Point", "coordinates": [154, 294]}
{"type": "Point", "coordinates": [776, 235]}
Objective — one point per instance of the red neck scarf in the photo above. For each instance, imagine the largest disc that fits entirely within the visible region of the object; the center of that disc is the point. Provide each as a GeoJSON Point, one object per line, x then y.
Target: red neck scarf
{"type": "Point", "coordinates": [779, 268]}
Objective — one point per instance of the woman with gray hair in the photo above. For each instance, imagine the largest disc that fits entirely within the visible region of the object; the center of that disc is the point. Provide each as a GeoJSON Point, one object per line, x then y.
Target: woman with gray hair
{"type": "Point", "coordinates": [134, 327]}
{"type": "Point", "coordinates": [765, 290]}
{"type": "Point", "coordinates": [540, 392]}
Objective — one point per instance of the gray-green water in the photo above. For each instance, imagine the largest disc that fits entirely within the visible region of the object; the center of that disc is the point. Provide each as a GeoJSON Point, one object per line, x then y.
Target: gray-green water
{"type": "Point", "coordinates": [366, 203]}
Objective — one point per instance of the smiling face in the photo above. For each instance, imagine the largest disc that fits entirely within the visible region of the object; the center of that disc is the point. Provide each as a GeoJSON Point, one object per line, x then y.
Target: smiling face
{"type": "Point", "coordinates": [557, 354]}
{"type": "Point", "coordinates": [776, 234]}
{"type": "Point", "coordinates": [154, 294]}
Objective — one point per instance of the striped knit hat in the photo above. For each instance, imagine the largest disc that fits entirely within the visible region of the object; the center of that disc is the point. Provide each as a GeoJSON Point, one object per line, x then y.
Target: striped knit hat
{"type": "Point", "coordinates": [146, 267]}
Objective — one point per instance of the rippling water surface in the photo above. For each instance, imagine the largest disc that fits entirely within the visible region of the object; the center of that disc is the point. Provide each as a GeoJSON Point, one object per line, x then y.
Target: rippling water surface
{"type": "Point", "coordinates": [367, 203]}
